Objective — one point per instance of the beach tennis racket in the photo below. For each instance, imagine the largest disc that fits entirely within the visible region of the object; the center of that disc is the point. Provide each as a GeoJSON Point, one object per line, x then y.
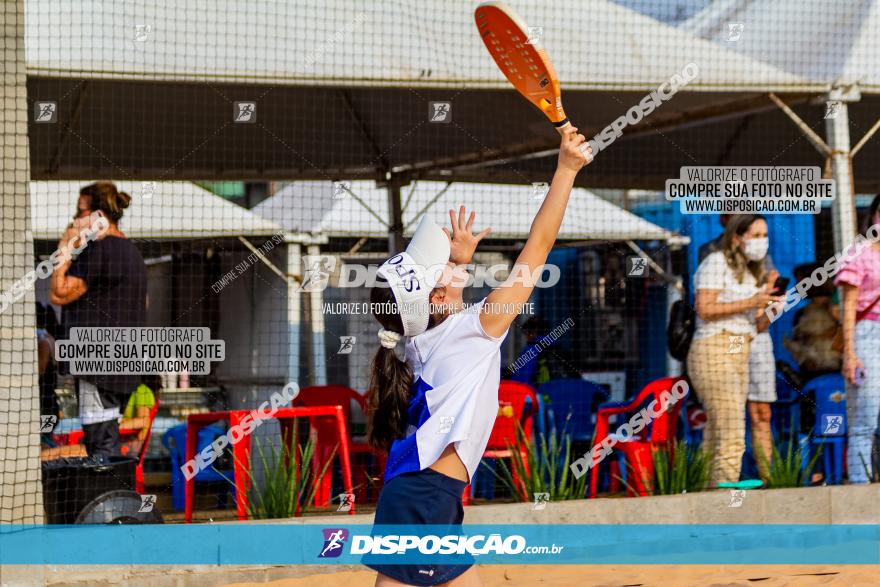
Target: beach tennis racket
{"type": "Point", "coordinates": [521, 59]}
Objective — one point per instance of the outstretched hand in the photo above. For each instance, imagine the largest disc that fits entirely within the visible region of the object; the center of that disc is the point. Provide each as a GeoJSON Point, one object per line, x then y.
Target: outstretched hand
{"type": "Point", "coordinates": [574, 151]}
{"type": "Point", "coordinates": [464, 241]}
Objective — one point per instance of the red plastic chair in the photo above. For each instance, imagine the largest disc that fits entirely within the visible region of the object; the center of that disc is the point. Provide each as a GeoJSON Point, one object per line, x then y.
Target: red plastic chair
{"type": "Point", "coordinates": [326, 435]}
{"type": "Point", "coordinates": [639, 450]}
{"type": "Point", "coordinates": [511, 410]}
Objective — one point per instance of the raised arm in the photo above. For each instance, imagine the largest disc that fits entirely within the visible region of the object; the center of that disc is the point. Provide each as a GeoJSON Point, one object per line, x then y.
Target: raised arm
{"type": "Point", "coordinates": [504, 303]}
{"type": "Point", "coordinates": [64, 288]}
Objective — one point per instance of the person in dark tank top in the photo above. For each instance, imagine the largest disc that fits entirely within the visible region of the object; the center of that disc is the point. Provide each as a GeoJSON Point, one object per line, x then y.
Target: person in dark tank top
{"type": "Point", "coordinates": [104, 286]}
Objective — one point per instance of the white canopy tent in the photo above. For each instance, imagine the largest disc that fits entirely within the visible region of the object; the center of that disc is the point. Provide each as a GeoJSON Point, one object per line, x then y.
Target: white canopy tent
{"type": "Point", "coordinates": [823, 43]}
{"type": "Point", "coordinates": [334, 61]}
{"type": "Point", "coordinates": [168, 210]}
{"type": "Point", "coordinates": [833, 46]}
{"type": "Point", "coordinates": [264, 41]}
{"type": "Point", "coordinates": [308, 207]}
{"type": "Point", "coordinates": [313, 212]}
{"type": "Point", "coordinates": [318, 69]}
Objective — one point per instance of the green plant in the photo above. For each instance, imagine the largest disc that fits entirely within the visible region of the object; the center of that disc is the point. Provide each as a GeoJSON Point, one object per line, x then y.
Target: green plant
{"type": "Point", "coordinates": [680, 469]}
{"type": "Point", "coordinates": [285, 484]}
{"type": "Point", "coordinates": [787, 468]}
{"type": "Point", "coordinates": [544, 468]}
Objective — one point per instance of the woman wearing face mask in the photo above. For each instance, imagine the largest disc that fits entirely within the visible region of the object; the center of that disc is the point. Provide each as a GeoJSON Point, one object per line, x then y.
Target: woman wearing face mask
{"type": "Point", "coordinates": [732, 292]}
{"type": "Point", "coordinates": [860, 281]}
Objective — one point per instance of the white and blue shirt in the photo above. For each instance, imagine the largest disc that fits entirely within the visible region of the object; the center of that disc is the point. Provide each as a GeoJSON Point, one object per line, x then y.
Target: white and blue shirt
{"type": "Point", "coordinates": [456, 371]}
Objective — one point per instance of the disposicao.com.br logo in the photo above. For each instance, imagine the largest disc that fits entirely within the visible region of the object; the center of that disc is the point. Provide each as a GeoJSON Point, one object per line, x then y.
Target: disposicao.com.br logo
{"type": "Point", "coordinates": [334, 542]}
{"type": "Point", "coordinates": [430, 544]}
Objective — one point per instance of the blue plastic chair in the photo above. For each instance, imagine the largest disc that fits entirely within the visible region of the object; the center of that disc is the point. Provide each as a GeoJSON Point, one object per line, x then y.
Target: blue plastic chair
{"type": "Point", "coordinates": [174, 440]}
{"type": "Point", "coordinates": [829, 393]}
{"type": "Point", "coordinates": [786, 411]}
{"type": "Point", "coordinates": [539, 418]}
{"type": "Point", "coordinates": [569, 407]}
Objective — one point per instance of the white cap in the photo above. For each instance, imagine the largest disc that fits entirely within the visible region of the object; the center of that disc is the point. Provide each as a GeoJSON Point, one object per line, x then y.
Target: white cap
{"type": "Point", "coordinates": [413, 273]}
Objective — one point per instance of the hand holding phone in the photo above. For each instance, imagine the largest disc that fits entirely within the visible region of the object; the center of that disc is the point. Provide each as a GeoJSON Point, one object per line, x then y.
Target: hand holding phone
{"type": "Point", "coordinates": [860, 376]}
{"type": "Point", "coordinates": [780, 286]}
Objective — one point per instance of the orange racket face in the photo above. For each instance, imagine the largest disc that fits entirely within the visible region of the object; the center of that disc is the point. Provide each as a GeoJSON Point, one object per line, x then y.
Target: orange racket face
{"type": "Point", "coordinates": [522, 60]}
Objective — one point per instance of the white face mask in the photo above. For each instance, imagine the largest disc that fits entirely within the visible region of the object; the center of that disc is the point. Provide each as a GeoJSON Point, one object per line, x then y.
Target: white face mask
{"type": "Point", "coordinates": [756, 249]}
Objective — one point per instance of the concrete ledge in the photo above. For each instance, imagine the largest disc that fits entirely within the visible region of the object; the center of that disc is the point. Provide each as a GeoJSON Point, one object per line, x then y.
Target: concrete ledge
{"type": "Point", "coordinates": [844, 504]}
{"type": "Point", "coordinates": [849, 504]}
{"type": "Point", "coordinates": [839, 504]}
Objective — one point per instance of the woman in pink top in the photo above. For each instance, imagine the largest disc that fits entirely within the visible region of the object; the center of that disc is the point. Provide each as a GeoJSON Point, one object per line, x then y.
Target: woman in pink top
{"type": "Point", "coordinates": [860, 280]}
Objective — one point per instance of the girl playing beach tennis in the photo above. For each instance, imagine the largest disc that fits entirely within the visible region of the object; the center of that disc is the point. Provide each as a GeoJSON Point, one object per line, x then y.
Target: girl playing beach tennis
{"type": "Point", "coordinates": [434, 412]}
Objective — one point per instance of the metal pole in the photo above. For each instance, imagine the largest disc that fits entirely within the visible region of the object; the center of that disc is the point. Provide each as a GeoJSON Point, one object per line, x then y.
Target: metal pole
{"type": "Point", "coordinates": [316, 322]}
{"type": "Point", "coordinates": [395, 217]}
{"type": "Point", "coordinates": [843, 210]}
{"type": "Point", "coordinates": [294, 311]}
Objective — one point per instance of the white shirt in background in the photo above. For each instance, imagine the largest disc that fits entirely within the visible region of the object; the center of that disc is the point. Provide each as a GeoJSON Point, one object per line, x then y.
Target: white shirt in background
{"type": "Point", "coordinates": [715, 273]}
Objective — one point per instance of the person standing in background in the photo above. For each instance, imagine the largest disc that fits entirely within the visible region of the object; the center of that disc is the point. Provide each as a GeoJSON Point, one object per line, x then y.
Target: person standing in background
{"type": "Point", "coordinates": [811, 343]}
{"type": "Point", "coordinates": [105, 286]}
{"type": "Point", "coordinates": [762, 364]}
{"type": "Point", "coordinates": [730, 303]}
{"type": "Point", "coordinates": [860, 281]}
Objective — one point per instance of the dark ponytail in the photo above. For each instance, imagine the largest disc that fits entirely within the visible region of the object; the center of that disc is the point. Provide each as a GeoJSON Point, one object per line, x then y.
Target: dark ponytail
{"type": "Point", "coordinates": [390, 380]}
{"type": "Point", "coordinates": [104, 196]}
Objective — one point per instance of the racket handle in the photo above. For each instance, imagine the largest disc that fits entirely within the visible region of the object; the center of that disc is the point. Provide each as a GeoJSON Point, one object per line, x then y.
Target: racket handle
{"type": "Point", "coordinates": [562, 125]}
{"type": "Point", "coordinates": [565, 123]}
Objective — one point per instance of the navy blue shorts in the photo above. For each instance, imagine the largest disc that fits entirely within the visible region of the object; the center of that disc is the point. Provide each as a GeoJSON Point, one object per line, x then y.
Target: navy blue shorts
{"type": "Point", "coordinates": [423, 497]}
